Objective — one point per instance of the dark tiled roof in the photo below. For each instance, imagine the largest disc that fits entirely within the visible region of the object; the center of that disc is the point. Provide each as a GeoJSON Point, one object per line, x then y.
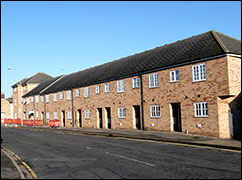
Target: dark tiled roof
{"type": "Point", "coordinates": [197, 47]}
{"type": "Point", "coordinates": [22, 82]}
{"type": "Point", "coordinates": [37, 78]}
{"type": "Point", "coordinates": [41, 87]}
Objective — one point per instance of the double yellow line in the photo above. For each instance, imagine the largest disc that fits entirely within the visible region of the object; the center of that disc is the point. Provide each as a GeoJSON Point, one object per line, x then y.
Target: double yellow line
{"type": "Point", "coordinates": [26, 165]}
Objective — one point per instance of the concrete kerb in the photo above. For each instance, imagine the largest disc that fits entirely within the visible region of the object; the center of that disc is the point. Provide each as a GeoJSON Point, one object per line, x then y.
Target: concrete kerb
{"type": "Point", "coordinates": [139, 137]}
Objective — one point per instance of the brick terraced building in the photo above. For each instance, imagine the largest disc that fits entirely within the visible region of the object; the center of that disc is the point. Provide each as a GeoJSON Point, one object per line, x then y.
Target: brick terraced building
{"type": "Point", "coordinates": [185, 86]}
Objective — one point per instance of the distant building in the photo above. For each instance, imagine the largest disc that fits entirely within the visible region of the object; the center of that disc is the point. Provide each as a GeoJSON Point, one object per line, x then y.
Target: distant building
{"type": "Point", "coordinates": [6, 107]}
{"type": "Point", "coordinates": [24, 86]}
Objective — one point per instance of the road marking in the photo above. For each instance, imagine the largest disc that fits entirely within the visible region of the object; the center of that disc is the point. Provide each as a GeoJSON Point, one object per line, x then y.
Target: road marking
{"type": "Point", "coordinates": [27, 166]}
{"type": "Point", "coordinates": [131, 159]}
{"type": "Point", "coordinates": [181, 144]}
{"type": "Point", "coordinates": [15, 164]}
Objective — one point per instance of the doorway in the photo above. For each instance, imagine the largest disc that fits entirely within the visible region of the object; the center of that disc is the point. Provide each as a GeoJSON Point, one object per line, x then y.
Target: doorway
{"type": "Point", "coordinates": [63, 118]}
{"type": "Point", "coordinates": [137, 117]}
{"type": "Point", "coordinates": [99, 110]}
{"type": "Point", "coordinates": [80, 117]}
{"type": "Point", "coordinates": [176, 116]}
{"type": "Point", "coordinates": [108, 111]}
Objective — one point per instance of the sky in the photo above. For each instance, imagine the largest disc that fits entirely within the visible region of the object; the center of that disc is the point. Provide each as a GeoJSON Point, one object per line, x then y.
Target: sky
{"type": "Point", "coordinates": [63, 37]}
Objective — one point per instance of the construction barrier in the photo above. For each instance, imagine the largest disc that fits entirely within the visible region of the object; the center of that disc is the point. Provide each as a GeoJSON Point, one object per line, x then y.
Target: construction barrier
{"type": "Point", "coordinates": [53, 123]}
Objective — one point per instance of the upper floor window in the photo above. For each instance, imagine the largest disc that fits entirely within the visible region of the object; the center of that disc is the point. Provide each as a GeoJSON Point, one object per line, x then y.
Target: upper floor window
{"type": "Point", "coordinates": [122, 112]}
{"type": "Point", "coordinates": [27, 100]}
{"type": "Point", "coordinates": [42, 98]}
{"type": "Point", "coordinates": [199, 72]}
{"type": "Point", "coordinates": [68, 94]}
{"type": "Point", "coordinates": [24, 88]}
{"type": "Point", "coordinates": [87, 114]}
{"type": "Point", "coordinates": [107, 87]}
{"type": "Point", "coordinates": [174, 76]}
{"type": "Point", "coordinates": [47, 98]}
{"type": "Point", "coordinates": [120, 86]}
{"type": "Point", "coordinates": [36, 99]}
{"type": "Point", "coordinates": [77, 92]}
{"type": "Point", "coordinates": [55, 97]}
{"type": "Point", "coordinates": [15, 89]}
{"type": "Point", "coordinates": [32, 99]}
{"type": "Point", "coordinates": [154, 80]}
{"type": "Point", "coordinates": [86, 92]}
{"type": "Point", "coordinates": [201, 109]}
{"type": "Point", "coordinates": [136, 83]}
{"type": "Point", "coordinates": [15, 102]}
{"type": "Point", "coordinates": [98, 89]}
{"type": "Point", "coordinates": [61, 95]}
{"type": "Point", "coordinates": [155, 111]}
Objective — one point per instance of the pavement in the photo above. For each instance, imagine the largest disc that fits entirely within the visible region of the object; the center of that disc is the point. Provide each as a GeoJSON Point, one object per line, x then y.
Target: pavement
{"type": "Point", "coordinates": [158, 136]}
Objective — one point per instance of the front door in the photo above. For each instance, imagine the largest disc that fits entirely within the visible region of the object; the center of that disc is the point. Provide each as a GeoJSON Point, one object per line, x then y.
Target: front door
{"type": "Point", "coordinates": [100, 117]}
{"type": "Point", "coordinates": [63, 118]}
{"type": "Point", "coordinates": [80, 117]}
{"type": "Point", "coordinates": [176, 115]}
{"type": "Point", "coordinates": [137, 117]}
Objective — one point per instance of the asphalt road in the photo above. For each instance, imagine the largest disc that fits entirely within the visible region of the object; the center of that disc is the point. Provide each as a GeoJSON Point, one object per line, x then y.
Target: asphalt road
{"type": "Point", "coordinates": [68, 156]}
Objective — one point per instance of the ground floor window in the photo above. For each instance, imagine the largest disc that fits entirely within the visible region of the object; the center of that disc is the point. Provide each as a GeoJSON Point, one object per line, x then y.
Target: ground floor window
{"type": "Point", "coordinates": [201, 109]}
{"type": "Point", "coordinates": [69, 115]}
{"type": "Point", "coordinates": [87, 114]}
{"type": "Point", "coordinates": [155, 111]}
{"type": "Point", "coordinates": [122, 112]}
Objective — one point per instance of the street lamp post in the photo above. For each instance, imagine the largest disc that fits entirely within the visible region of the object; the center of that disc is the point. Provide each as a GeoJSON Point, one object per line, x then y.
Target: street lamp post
{"type": "Point", "coordinates": [20, 98]}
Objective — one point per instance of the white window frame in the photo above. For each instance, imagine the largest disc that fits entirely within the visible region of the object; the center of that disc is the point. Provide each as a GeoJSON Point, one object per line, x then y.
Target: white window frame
{"type": "Point", "coordinates": [154, 80]}
{"type": "Point", "coordinates": [107, 88]}
{"type": "Point", "coordinates": [37, 99]}
{"type": "Point", "coordinates": [42, 98]}
{"type": "Point", "coordinates": [15, 89]}
{"type": "Point", "coordinates": [77, 92]}
{"type": "Point", "coordinates": [122, 112]}
{"type": "Point", "coordinates": [69, 114]}
{"type": "Point", "coordinates": [68, 95]}
{"type": "Point", "coordinates": [120, 86]}
{"type": "Point", "coordinates": [87, 114]}
{"type": "Point", "coordinates": [55, 97]}
{"type": "Point", "coordinates": [174, 76]}
{"type": "Point", "coordinates": [199, 72]}
{"type": "Point", "coordinates": [47, 98]}
{"type": "Point", "coordinates": [201, 109]}
{"type": "Point", "coordinates": [48, 115]}
{"type": "Point", "coordinates": [15, 116]}
{"type": "Point", "coordinates": [32, 99]}
{"type": "Point", "coordinates": [136, 83]}
{"type": "Point", "coordinates": [24, 88]}
{"type": "Point", "coordinates": [27, 100]}
{"type": "Point", "coordinates": [86, 92]}
{"type": "Point", "coordinates": [155, 111]}
{"type": "Point", "coordinates": [98, 89]}
{"type": "Point", "coordinates": [37, 114]}
{"type": "Point", "coordinates": [61, 95]}
{"type": "Point", "coordinates": [15, 102]}
{"type": "Point", "coordinates": [55, 115]}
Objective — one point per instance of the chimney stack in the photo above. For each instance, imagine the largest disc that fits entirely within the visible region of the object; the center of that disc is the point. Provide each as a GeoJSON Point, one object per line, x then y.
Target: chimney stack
{"type": "Point", "coordinates": [2, 95]}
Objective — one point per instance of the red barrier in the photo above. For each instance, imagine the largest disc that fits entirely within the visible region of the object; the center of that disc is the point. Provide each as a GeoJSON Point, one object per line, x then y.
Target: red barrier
{"type": "Point", "coordinates": [54, 123]}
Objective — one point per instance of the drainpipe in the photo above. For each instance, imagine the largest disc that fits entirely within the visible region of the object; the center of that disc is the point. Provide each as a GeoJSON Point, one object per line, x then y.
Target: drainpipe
{"type": "Point", "coordinates": [44, 111]}
{"type": "Point", "coordinates": [72, 104]}
{"type": "Point", "coordinates": [34, 107]}
{"type": "Point", "coordinates": [142, 102]}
